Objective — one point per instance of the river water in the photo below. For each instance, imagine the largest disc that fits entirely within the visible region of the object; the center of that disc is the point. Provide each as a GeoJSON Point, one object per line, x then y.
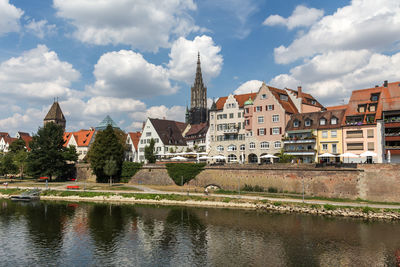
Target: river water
{"type": "Point", "coordinates": [85, 234]}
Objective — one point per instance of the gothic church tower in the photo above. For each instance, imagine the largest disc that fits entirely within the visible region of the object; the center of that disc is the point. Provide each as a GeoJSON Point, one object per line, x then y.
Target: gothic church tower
{"type": "Point", "coordinates": [198, 112]}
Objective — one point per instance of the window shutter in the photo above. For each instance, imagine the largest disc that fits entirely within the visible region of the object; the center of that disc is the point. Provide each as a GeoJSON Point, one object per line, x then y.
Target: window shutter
{"type": "Point", "coordinates": [273, 107]}
{"type": "Point", "coordinates": [254, 109]}
{"type": "Point", "coordinates": [258, 131]}
{"type": "Point", "coordinates": [265, 131]}
{"type": "Point", "coordinates": [270, 131]}
{"type": "Point", "coordinates": [266, 107]}
{"type": "Point", "coordinates": [260, 108]}
{"type": "Point", "coordinates": [280, 130]}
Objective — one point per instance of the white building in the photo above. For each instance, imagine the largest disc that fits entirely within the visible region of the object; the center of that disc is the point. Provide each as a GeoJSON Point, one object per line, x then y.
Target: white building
{"type": "Point", "coordinates": [132, 142]}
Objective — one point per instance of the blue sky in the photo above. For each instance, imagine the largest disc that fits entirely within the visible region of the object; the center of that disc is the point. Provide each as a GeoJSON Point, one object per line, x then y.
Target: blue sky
{"type": "Point", "coordinates": [133, 59]}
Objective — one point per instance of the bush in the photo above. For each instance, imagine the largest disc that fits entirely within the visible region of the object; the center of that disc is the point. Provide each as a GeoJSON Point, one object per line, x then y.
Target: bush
{"type": "Point", "coordinates": [182, 173]}
{"type": "Point", "coordinates": [272, 189]}
{"type": "Point", "coordinates": [367, 209]}
{"type": "Point", "coordinates": [250, 188]}
{"type": "Point", "coordinates": [129, 169]}
{"type": "Point", "coordinates": [329, 207]}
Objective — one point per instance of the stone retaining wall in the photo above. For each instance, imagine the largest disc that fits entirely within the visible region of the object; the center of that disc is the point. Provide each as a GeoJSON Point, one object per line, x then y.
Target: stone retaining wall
{"type": "Point", "coordinates": [375, 182]}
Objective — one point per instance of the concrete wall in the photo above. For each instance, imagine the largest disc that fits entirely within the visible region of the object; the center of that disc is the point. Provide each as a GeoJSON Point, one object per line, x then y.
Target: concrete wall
{"type": "Point", "coordinates": [375, 182]}
{"type": "Point", "coordinates": [84, 172]}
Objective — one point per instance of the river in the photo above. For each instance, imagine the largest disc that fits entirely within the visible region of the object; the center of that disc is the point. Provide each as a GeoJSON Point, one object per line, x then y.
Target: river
{"type": "Point", "coordinates": [87, 234]}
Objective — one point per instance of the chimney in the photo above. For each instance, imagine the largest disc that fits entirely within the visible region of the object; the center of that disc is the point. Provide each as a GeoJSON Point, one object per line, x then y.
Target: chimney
{"type": "Point", "coordinates": [376, 86]}
{"type": "Point", "coordinates": [163, 118]}
{"type": "Point", "coordinates": [385, 83]}
{"type": "Point", "coordinates": [299, 93]}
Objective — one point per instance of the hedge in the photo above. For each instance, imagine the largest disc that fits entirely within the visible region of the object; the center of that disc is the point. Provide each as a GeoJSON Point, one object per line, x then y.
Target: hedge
{"type": "Point", "coordinates": [182, 173]}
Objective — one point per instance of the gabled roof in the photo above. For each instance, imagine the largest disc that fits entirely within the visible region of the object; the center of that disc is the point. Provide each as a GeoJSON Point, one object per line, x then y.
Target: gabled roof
{"type": "Point", "coordinates": [288, 106]}
{"type": "Point", "coordinates": [8, 140]}
{"type": "Point", "coordinates": [239, 98]}
{"type": "Point", "coordinates": [196, 130]}
{"type": "Point", "coordinates": [336, 107]}
{"type": "Point", "coordinates": [55, 113]}
{"type": "Point", "coordinates": [82, 137]}
{"type": "Point", "coordinates": [135, 137]}
{"type": "Point", "coordinates": [391, 98]}
{"type": "Point", "coordinates": [27, 139]}
{"type": "Point", "coordinates": [315, 118]}
{"type": "Point", "coordinates": [4, 134]}
{"type": "Point", "coordinates": [23, 134]}
{"type": "Point", "coordinates": [170, 132]}
{"type": "Point", "coordinates": [305, 97]}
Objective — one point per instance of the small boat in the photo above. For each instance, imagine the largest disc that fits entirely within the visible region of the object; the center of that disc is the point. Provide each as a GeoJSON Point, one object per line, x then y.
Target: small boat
{"type": "Point", "coordinates": [27, 196]}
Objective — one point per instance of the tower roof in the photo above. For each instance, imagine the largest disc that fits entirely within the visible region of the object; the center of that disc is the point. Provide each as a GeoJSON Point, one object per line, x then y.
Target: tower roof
{"type": "Point", "coordinates": [198, 82]}
{"type": "Point", "coordinates": [105, 122]}
{"type": "Point", "coordinates": [55, 113]}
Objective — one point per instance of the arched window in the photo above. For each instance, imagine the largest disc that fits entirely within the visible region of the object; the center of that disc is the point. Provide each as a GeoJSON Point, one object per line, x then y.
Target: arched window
{"type": "Point", "coordinates": [232, 158]}
{"type": "Point", "coordinates": [220, 148]}
{"type": "Point", "coordinates": [252, 145]}
{"type": "Point", "coordinates": [277, 144]}
{"type": "Point", "coordinates": [232, 148]}
{"type": "Point", "coordinates": [264, 145]}
{"type": "Point", "coordinates": [242, 147]}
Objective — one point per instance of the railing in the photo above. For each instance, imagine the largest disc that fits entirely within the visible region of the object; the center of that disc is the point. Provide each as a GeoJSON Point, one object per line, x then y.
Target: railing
{"type": "Point", "coordinates": [231, 130]}
{"type": "Point", "coordinates": [392, 147]}
{"type": "Point", "coordinates": [294, 141]}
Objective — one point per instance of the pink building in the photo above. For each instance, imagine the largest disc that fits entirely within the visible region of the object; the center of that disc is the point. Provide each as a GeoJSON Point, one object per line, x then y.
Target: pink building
{"type": "Point", "coordinates": [267, 115]}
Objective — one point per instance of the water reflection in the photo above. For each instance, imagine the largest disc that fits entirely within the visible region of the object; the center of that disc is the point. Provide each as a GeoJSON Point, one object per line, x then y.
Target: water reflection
{"type": "Point", "coordinates": [60, 234]}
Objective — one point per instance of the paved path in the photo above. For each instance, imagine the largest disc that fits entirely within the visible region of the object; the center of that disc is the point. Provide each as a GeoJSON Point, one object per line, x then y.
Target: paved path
{"type": "Point", "coordinates": [147, 190]}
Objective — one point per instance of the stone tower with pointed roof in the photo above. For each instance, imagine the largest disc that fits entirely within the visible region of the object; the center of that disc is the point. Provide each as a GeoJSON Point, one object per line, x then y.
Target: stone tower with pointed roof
{"type": "Point", "coordinates": [55, 115]}
{"type": "Point", "coordinates": [198, 112]}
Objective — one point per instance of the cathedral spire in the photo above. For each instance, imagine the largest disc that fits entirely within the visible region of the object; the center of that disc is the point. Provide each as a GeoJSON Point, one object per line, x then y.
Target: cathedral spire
{"type": "Point", "coordinates": [199, 77]}
{"type": "Point", "coordinates": [198, 112]}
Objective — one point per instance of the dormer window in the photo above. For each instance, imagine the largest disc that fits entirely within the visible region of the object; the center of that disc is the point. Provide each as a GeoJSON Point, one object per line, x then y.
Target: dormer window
{"type": "Point", "coordinates": [374, 97]}
{"type": "Point", "coordinates": [322, 121]}
{"type": "Point", "coordinates": [361, 108]}
{"type": "Point", "coordinates": [372, 108]}
{"type": "Point", "coordinates": [296, 123]}
{"type": "Point", "coordinates": [263, 96]}
{"type": "Point", "coordinates": [283, 97]}
{"type": "Point", "coordinates": [334, 121]}
{"type": "Point", "coordinates": [307, 123]}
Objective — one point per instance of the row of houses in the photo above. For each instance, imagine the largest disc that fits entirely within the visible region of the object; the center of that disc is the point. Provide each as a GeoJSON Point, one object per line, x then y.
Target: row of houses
{"type": "Point", "coordinates": [6, 140]}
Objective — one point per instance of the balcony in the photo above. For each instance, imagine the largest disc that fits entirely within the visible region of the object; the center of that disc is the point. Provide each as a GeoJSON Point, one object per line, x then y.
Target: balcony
{"type": "Point", "coordinates": [392, 147]}
{"type": "Point", "coordinates": [304, 140]}
{"type": "Point", "coordinates": [300, 152]}
{"type": "Point", "coordinates": [230, 131]}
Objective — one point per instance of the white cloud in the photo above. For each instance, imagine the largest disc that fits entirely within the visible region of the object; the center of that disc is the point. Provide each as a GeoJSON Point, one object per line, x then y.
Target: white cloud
{"type": "Point", "coordinates": [251, 86]}
{"type": "Point", "coordinates": [127, 74]}
{"type": "Point", "coordinates": [364, 24]}
{"type": "Point", "coordinates": [176, 113]}
{"type": "Point", "coordinates": [143, 24]}
{"type": "Point", "coordinates": [183, 58]}
{"type": "Point", "coordinates": [301, 17]}
{"type": "Point", "coordinates": [107, 105]}
{"type": "Point", "coordinates": [9, 17]}
{"type": "Point", "coordinates": [37, 74]}
{"type": "Point", "coordinates": [40, 28]}
{"type": "Point", "coordinates": [26, 121]}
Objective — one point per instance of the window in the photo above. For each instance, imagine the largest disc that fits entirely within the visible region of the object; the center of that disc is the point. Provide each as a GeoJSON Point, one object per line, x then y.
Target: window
{"type": "Point", "coordinates": [246, 110]}
{"type": "Point", "coordinates": [361, 108]}
{"type": "Point", "coordinates": [258, 108]}
{"type": "Point", "coordinates": [275, 118]}
{"type": "Point", "coordinates": [334, 148]}
{"type": "Point", "coordinates": [333, 133]}
{"type": "Point", "coordinates": [220, 148]}
{"type": "Point", "coordinates": [370, 133]}
{"type": "Point", "coordinates": [355, 146]}
{"type": "Point", "coordinates": [334, 120]}
{"type": "Point", "coordinates": [263, 96]}
{"type": "Point", "coordinates": [148, 134]}
{"type": "Point", "coordinates": [324, 146]}
{"type": "Point", "coordinates": [264, 145]}
{"type": "Point", "coordinates": [313, 102]}
{"type": "Point", "coordinates": [260, 119]}
{"type": "Point", "coordinates": [230, 115]}
{"type": "Point", "coordinates": [261, 131]}
{"type": "Point", "coordinates": [307, 123]}
{"type": "Point", "coordinates": [212, 127]}
{"type": "Point", "coordinates": [324, 134]}
{"type": "Point", "coordinates": [232, 148]}
{"type": "Point", "coordinates": [242, 147]}
{"type": "Point", "coordinates": [239, 114]}
{"type": "Point", "coordinates": [247, 122]}
{"type": "Point", "coordinates": [270, 107]}
{"type": "Point", "coordinates": [276, 130]}
{"type": "Point", "coordinates": [296, 123]}
{"type": "Point", "coordinates": [371, 146]}
{"type": "Point", "coordinates": [283, 97]}
{"type": "Point", "coordinates": [354, 134]}
{"type": "Point", "coordinates": [232, 158]}
{"type": "Point", "coordinates": [252, 145]}
{"type": "Point", "coordinates": [372, 108]}
{"type": "Point", "coordinates": [322, 121]}
{"type": "Point", "coordinates": [212, 116]}
{"type": "Point", "coordinates": [141, 149]}
{"type": "Point", "coordinates": [374, 97]}
{"type": "Point", "coordinates": [277, 144]}
{"type": "Point", "coordinates": [156, 140]}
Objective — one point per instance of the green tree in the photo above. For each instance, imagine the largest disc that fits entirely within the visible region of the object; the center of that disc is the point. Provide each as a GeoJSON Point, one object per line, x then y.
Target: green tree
{"type": "Point", "coordinates": [8, 165]}
{"type": "Point", "coordinates": [285, 158]}
{"type": "Point", "coordinates": [105, 146]}
{"type": "Point", "coordinates": [110, 168]}
{"type": "Point", "coordinates": [20, 161]}
{"type": "Point", "coordinates": [48, 154]}
{"type": "Point", "coordinates": [17, 146]}
{"type": "Point", "coordinates": [149, 152]}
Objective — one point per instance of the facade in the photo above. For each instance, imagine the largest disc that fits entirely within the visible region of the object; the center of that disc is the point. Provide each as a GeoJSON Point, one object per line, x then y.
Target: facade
{"type": "Point", "coordinates": [132, 141]}
{"type": "Point", "coordinates": [5, 142]}
{"type": "Point", "coordinates": [226, 134]}
{"type": "Point", "coordinates": [167, 135]}
{"type": "Point", "coordinates": [360, 132]}
{"type": "Point", "coordinates": [82, 141]}
{"type": "Point", "coordinates": [195, 136]}
{"type": "Point", "coordinates": [198, 112]}
{"type": "Point", "coordinates": [55, 115]}
{"type": "Point", "coordinates": [266, 118]}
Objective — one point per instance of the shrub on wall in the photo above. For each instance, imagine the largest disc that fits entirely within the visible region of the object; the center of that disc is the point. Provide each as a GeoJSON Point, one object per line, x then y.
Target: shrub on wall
{"type": "Point", "coordinates": [181, 173]}
{"type": "Point", "coordinates": [129, 169]}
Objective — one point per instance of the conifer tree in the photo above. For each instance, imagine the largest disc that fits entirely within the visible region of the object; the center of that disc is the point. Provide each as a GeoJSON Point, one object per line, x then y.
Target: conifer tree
{"type": "Point", "coordinates": [106, 146]}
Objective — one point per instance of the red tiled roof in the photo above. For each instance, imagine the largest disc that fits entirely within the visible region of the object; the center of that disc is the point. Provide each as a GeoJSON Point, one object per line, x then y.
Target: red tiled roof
{"type": "Point", "coordinates": [67, 136]}
{"type": "Point", "coordinates": [288, 106]}
{"type": "Point", "coordinates": [8, 140]}
{"type": "Point", "coordinates": [170, 132]}
{"type": "Point", "coordinates": [135, 137]}
{"type": "Point", "coordinates": [391, 97]}
{"type": "Point", "coordinates": [239, 98]}
{"type": "Point", "coordinates": [306, 96]}
{"type": "Point", "coordinates": [27, 139]}
{"type": "Point", "coordinates": [4, 134]}
{"type": "Point", "coordinates": [82, 137]}
{"type": "Point", "coordinates": [196, 129]}
{"type": "Point", "coordinates": [336, 107]}
{"type": "Point", "coordinates": [315, 117]}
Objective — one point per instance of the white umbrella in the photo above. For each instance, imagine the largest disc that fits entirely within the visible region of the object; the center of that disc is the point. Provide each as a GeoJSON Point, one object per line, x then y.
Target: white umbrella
{"type": "Point", "coordinates": [326, 155]}
{"type": "Point", "coordinates": [205, 157]}
{"type": "Point", "coordinates": [178, 158]}
{"type": "Point", "coordinates": [388, 156]}
{"type": "Point", "coordinates": [349, 155]}
{"type": "Point", "coordinates": [190, 153]}
{"type": "Point", "coordinates": [219, 157]}
{"type": "Point", "coordinates": [202, 153]}
{"type": "Point", "coordinates": [268, 156]}
{"type": "Point", "coordinates": [368, 154]}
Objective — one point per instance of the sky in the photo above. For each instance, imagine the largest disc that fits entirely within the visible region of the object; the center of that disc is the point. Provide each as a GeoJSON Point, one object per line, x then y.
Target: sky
{"type": "Point", "coordinates": [133, 59]}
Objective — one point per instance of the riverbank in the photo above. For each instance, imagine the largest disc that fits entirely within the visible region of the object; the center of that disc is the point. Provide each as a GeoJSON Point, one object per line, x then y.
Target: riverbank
{"type": "Point", "coordinates": [221, 201]}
